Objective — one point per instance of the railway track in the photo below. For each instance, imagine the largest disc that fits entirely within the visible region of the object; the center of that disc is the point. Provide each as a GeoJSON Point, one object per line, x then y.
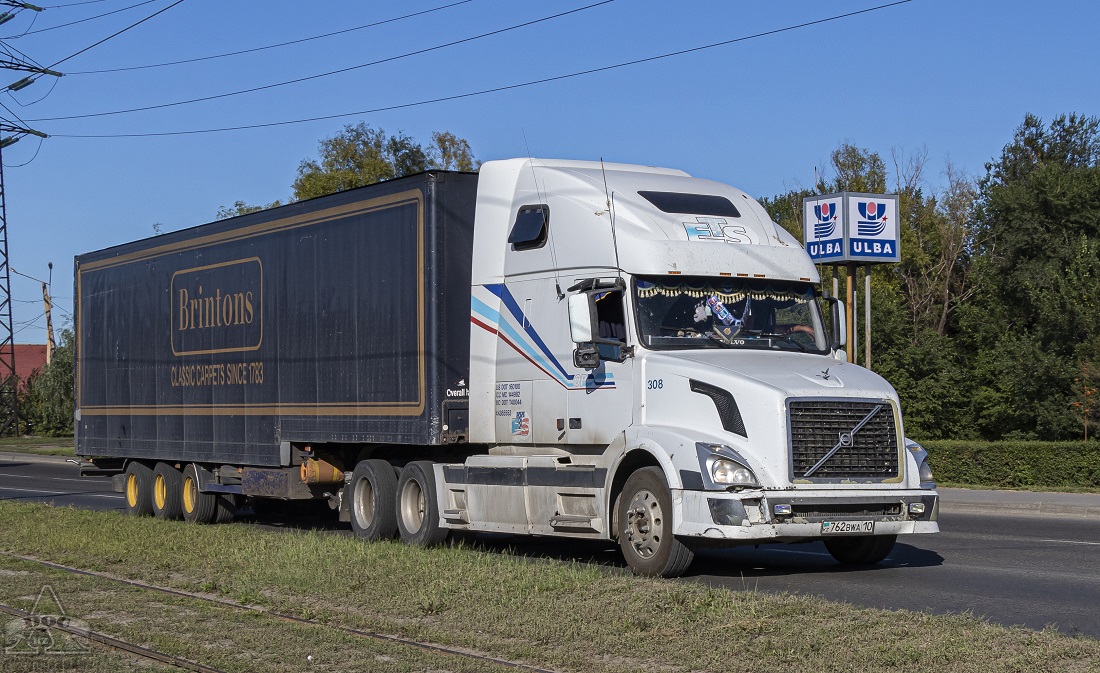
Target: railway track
{"type": "Point", "coordinates": [112, 643]}
{"type": "Point", "coordinates": [188, 665]}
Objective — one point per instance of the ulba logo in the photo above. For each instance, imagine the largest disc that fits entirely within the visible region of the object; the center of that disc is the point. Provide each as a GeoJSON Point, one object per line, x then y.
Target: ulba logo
{"type": "Point", "coordinates": [826, 220]}
{"type": "Point", "coordinates": [218, 308]}
{"type": "Point", "coordinates": [873, 215]}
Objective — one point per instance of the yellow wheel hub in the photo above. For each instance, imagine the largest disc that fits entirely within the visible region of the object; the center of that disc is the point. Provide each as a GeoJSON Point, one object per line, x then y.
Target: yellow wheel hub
{"type": "Point", "coordinates": [188, 494]}
{"type": "Point", "coordinates": [160, 491]}
{"type": "Point", "coordinates": [131, 490]}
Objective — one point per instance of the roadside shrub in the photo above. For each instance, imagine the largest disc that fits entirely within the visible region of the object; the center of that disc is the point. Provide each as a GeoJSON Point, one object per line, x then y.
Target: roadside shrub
{"type": "Point", "coordinates": [46, 406]}
{"type": "Point", "coordinates": [1010, 464]}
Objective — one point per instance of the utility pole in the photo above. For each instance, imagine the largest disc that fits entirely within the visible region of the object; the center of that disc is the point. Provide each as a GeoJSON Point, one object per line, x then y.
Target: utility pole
{"type": "Point", "coordinates": [47, 302]}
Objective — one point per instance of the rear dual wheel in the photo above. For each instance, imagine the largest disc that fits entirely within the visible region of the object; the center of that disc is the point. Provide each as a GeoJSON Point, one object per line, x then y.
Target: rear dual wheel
{"type": "Point", "coordinates": [139, 489]}
{"type": "Point", "coordinates": [202, 507]}
{"type": "Point", "coordinates": [373, 500]}
{"type": "Point", "coordinates": [167, 492]}
{"type": "Point", "coordinates": [418, 506]}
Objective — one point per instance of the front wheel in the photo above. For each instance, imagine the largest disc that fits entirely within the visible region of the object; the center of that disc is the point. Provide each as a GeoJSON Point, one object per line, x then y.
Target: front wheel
{"type": "Point", "coordinates": [861, 549]}
{"type": "Point", "coordinates": [645, 527]}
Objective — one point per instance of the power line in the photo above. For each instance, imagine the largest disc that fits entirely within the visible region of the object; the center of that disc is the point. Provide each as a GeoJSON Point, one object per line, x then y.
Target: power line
{"type": "Point", "coordinates": [116, 34]}
{"type": "Point", "coordinates": [37, 100]}
{"type": "Point", "coordinates": [270, 46]}
{"type": "Point", "coordinates": [498, 89]}
{"type": "Point", "coordinates": [324, 74]}
{"type": "Point", "coordinates": [37, 280]}
{"type": "Point", "coordinates": [34, 20]}
{"type": "Point", "coordinates": [28, 161]}
{"type": "Point", "coordinates": [28, 322]}
{"type": "Point", "coordinates": [73, 23]}
{"type": "Point", "coordinates": [72, 4]}
{"type": "Point", "coordinates": [10, 112]}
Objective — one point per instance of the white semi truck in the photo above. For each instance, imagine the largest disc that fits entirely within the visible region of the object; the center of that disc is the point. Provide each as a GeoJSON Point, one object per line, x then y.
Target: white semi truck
{"type": "Point", "coordinates": [557, 348]}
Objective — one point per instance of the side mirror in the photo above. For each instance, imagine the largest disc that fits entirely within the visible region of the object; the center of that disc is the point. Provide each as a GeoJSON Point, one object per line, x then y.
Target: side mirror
{"type": "Point", "coordinates": [838, 327]}
{"type": "Point", "coordinates": [580, 319]}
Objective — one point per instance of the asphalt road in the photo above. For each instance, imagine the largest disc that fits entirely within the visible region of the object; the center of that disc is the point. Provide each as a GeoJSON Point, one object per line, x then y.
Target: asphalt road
{"type": "Point", "coordinates": [1030, 570]}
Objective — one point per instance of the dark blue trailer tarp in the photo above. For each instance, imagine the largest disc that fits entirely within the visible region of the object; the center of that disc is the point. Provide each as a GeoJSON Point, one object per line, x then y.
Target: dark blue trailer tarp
{"type": "Point", "coordinates": [339, 319]}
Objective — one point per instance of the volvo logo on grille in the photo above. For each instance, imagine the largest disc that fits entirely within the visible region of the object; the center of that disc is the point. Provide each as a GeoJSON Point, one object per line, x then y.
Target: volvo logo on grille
{"type": "Point", "coordinates": [845, 440]}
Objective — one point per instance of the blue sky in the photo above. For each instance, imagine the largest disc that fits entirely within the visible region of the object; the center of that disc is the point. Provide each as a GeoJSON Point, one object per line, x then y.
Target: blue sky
{"type": "Point", "coordinates": [954, 77]}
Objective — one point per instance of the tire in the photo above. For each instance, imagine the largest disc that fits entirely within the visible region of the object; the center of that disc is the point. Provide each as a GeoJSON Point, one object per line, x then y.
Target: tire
{"type": "Point", "coordinates": [373, 500]}
{"type": "Point", "coordinates": [418, 506]}
{"type": "Point", "coordinates": [225, 507]}
{"type": "Point", "coordinates": [139, 489]}
{"type": "Point", "coordinates": [167, 487]}
{"type": "Point", "coordinates": [645, 527]}
{"type": "Point", "coordinates": [861, 549]}
{"type": "Point", "coordinates": [198, 507]}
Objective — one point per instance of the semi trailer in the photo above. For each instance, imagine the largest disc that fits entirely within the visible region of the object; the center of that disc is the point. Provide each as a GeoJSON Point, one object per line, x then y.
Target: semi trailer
{"type": "Point", "coordinates": [544, 347]}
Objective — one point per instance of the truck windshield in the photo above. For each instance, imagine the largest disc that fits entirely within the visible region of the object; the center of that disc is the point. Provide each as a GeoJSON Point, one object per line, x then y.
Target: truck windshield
{"type": "Point", "coordinates": [703, 312]}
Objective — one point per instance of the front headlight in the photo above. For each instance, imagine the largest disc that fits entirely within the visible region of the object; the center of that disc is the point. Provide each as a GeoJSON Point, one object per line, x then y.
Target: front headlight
{"type": "Point", "coordinates": [730, 473]}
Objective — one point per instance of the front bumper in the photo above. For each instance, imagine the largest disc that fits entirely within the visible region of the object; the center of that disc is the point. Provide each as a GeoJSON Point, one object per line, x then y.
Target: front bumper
{"type": "Point", "coordinates": [749, 516]}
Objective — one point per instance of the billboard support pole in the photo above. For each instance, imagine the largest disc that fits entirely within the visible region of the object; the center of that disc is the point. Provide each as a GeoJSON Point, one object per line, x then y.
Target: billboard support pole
{"type": "Point", "coordinates": [849, 313]}
{"type": "Point", "coordinates": [867, 315]}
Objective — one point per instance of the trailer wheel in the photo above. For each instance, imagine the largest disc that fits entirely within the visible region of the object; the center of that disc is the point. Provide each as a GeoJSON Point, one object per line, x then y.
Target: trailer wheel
{"type": "Point", "coordinates": [861, 549]}
{"type": "Point", "coordinates": [139, 489]}
{"type": "Point", "coordinates": [167, 487]}
{"type": "Point", "coordinates": [373, 500]}
{"type": "Point", "coordinates": [198, 507]}
{"type": "Point", "coordinates": [225, 507]}
{"type": "Point", "coordinates": [645, 526]}
{"type": "Point", "coordinates": [418, 506]}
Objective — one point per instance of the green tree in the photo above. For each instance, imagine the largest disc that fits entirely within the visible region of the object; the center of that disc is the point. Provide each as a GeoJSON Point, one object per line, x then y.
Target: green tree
{"type": "Point", "coordinates": [361, 155]}
{"type": "Point", "coordinates": [47, 401]}
{"type": "Point", "coordinates": [241, 208]}
{"type": "Point", "coordinates": [1038, 309]}
{"type": "Point", "coordinates": [451, 153]}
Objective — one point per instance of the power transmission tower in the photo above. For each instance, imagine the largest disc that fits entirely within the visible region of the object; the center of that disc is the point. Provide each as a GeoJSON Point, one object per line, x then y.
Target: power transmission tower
{"type": "Point", "coordinates": [9, 382]}
{"type": "Point", "coordinates": [11, 130]}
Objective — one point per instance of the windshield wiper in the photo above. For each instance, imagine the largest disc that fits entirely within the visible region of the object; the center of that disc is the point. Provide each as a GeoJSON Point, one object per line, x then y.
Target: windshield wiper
{"type": "Point", "coordinates": [716, 337]}
{"type": "Point", "coordinates": [786, 338]}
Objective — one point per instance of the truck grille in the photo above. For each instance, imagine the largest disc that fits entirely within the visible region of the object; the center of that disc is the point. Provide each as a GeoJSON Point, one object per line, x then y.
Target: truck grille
{"type": "Point", "coordinates": [816, 427]}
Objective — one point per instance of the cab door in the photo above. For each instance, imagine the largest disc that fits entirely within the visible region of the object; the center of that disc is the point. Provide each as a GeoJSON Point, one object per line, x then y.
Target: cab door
{"type": "Point", "coordinates": [602, 406]}
{"type": "Point", "coordinates": [530, 398]}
